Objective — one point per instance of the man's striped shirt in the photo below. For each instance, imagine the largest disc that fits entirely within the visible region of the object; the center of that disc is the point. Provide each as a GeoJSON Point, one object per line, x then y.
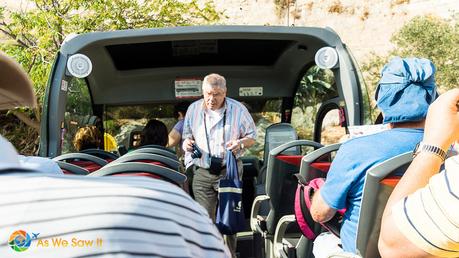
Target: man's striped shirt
{"type": "Point", "coordinates": [116, 216]}
{"type": "Point", "coordinates": [429, 218]}
{"type": "Point", "coordinates": [238, 124]}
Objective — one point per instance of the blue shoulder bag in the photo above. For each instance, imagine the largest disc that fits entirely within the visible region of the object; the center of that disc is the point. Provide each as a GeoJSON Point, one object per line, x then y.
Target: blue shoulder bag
{"type": "Point", "coordinates": [230, 216]}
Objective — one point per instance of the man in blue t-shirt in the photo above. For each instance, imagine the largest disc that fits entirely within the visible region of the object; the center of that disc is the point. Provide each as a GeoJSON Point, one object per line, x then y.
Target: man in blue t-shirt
{"type": "Point", "coordinates": [404, 93]}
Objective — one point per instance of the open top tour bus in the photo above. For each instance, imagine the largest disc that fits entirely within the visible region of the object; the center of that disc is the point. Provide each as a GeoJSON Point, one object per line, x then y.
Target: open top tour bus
{"type": "Point", "coordinates": [299, 83]}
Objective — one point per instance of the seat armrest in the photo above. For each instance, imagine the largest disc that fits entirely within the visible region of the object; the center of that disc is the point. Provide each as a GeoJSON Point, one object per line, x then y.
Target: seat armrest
{"type": "Point", "coordinates": [255, 210]}
{"type": "Point", "coordinates": [279, 234]}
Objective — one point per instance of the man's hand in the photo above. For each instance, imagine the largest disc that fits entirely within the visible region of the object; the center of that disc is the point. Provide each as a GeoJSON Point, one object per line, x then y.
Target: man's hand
{"type": "Point", "coordinates": [234, 146]}
{"type": "Point", "coordinates": [188, 145]}
{"type": "Point", "coordinates": [442, 123]}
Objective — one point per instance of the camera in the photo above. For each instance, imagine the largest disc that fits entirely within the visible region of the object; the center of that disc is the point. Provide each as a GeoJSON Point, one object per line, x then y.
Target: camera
{"type": "Point", "coordinates": [196, 152]}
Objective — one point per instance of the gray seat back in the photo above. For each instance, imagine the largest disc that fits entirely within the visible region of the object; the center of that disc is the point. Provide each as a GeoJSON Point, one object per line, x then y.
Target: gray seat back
{"type": "Point", "coordinates": [278, 134]}
{"type": "Point", "coordinates": [148, 158]}
{"type": "Point", "coordinates": [139, 168]}
{"type": "Point", "coordinates": [379, 183]}
{"type": "Point", "coordinates": [280, 182]}
{"type": "Point", "coordinates": [322, 155]}
{"type": "Point", "coordinates": [155, 150]}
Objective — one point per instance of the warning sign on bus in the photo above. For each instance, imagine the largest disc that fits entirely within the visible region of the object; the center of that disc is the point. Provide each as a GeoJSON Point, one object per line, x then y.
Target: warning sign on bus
{"type": "Point", "coordinates": [250, 91]}
{"type": "Point", "coordinates": [188, 88]}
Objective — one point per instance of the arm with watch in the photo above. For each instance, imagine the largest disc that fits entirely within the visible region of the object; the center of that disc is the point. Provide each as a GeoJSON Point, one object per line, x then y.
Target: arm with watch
{"type": "Point", "coordinates": [240, 144]}
{"type": "Point", "coordinates": [441, 130]}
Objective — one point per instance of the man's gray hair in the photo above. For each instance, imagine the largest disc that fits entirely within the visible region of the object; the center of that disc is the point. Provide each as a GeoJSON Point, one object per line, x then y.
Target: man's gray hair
{"type": "Point", "coordinates": [214, 80]}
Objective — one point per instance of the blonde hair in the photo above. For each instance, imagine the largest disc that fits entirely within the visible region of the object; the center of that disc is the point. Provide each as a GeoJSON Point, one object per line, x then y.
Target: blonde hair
{"type": "Point", "coordinates": [87, 137]}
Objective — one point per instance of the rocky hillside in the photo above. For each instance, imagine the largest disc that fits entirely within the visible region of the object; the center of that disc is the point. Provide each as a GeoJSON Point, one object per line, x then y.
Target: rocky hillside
{"type": "Point", "coordinates": [365, 25]}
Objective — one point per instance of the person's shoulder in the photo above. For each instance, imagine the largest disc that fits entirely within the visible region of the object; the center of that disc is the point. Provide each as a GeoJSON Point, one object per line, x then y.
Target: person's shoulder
{"type": "Point", "coordinates": [179, 123]}
{"type": "Point", "coordinates": [41, 164]}
{"type": "Point", "coordinates": [196, 104]}
{"type": "Point", "coordinates": [126, 186]}
{"type": "Point", "coordinates": [235, 104]}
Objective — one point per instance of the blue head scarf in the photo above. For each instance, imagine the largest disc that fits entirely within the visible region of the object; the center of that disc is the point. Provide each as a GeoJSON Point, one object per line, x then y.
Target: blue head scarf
{"type": "Point", "coordinates": [406, 89]}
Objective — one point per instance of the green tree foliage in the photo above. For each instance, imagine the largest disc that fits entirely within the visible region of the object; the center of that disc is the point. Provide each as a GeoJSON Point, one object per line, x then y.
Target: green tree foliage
{"type": "Point", "coordinates": [315, 86]}
{"type": "Point", "coordinates": [34, 36]}
{"type": "Point", "coordinates": [425, 36]}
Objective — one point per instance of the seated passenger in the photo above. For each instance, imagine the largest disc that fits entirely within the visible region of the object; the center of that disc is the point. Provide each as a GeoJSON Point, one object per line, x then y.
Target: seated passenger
{"type": "Point", "coordinates": [88, 137]}
{"type": "Point", "coordinates": [154, 133]}
{"type": "Point", "coordinates": [116, 217]}
{"type": "Point", "coordinates": [405, 91]}
{"type": "Point", "coordinates": [421, 216]}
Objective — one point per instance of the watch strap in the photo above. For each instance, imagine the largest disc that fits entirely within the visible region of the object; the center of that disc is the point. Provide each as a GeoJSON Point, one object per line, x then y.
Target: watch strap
{"type": "Point", "coordinates": [422, 147]}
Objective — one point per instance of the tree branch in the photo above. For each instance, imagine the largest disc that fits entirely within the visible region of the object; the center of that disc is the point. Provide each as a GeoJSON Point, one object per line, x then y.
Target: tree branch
{"type": "Point", "coordinates": [12, 35]}
{"type": "Point", "coordinates": [31, 64]}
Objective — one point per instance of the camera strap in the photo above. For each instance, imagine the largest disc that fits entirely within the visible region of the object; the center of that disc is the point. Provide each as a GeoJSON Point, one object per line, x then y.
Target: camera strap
{"type": "Point", "coordinates": [207, 136]}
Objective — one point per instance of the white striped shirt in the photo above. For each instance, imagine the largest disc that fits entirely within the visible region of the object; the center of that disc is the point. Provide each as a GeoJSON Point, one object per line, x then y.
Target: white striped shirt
{"type": "Point", "coordinates": [132, 216]}
{"type": "Point", "coordinates": [429, 217]}
{"type": "Point", "coordinates": [238, 124]}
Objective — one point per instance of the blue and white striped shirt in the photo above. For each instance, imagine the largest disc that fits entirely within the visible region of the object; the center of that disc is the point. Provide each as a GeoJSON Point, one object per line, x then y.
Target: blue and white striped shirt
{"type": "Point", "coordinates": [238, 124]}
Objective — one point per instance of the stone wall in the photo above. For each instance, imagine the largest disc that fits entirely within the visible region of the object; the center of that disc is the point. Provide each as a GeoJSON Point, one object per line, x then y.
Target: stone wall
{"type": "Point", "coordinates": [365, 25]}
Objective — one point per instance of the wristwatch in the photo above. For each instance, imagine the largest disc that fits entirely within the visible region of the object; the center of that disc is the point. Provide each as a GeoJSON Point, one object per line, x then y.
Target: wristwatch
{"type": "Point", "coordinates": [241, 144]}
{"type": "Point", "coordinates": [422, 147]}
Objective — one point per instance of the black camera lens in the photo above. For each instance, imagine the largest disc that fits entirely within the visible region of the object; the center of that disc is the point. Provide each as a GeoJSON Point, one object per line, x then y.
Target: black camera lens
{"type": "Point", "coordinates": [196, 153]}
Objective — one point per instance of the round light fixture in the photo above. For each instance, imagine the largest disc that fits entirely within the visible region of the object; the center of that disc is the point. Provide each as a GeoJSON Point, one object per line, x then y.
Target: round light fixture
{"type": "Point", "coordinates": [326, 58]}
{"type": "Point", "coordinates": [79, 65]}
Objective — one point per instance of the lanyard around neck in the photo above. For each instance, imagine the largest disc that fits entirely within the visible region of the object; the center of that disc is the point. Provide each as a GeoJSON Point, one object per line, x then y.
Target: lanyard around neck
{"type": "Point", "coordinates": [207, 136]}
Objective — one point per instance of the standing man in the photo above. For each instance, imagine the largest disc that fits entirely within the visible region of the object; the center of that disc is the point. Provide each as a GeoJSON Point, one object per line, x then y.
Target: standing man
{"type": "Point", "coordinates": [213, 125]}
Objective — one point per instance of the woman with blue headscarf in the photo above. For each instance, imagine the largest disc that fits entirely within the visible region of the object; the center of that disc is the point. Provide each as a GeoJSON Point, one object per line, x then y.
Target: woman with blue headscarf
{"type": "Point", "coordinates": [404, 93]}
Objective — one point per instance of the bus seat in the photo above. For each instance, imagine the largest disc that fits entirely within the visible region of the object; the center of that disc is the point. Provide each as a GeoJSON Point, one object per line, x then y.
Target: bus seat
{"type": "Point", "coordinates": [379, 184]}
{"type": "Point", "coordinates": [280, 188]}
{"type": "Point", "coordinates": [139, 168]}
{"type": "Point", "coordinates": [317, 163]}
{"type": "Point", "coordinates": [108, 156]}
{"type": "Point", "coordinates": [71, 169]}
{"type": "Point", "coordinates": [86, 161]}
{"type": "Point", "coordinates": [275, 135]}
{"type": "Point", "coordinates": [148, 158]}
{"type": "Point", "coordinates": [278, 134]}
{"type": "Point", "coordinates": [157, 147]}
{"type": "Point", "coordinates": [141, 174]}
{"type": "Point", "coordinates": [251, 169]}
{"type": "Point", "coordinates": [313, 165]}
{"type": "Point", "coordinates": [154, 150]}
